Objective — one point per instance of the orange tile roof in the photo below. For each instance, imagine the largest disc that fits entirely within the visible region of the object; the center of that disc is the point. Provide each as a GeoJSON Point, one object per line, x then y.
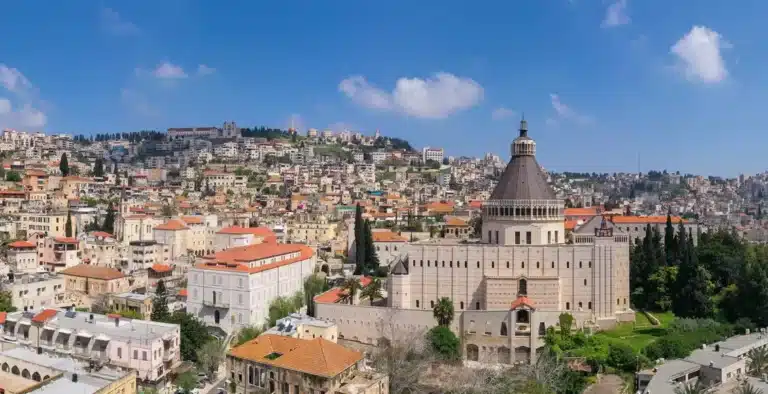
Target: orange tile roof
{"type": "Point", "coordinates": [161, 268]}
{"type": "Point", "coordinates": [387, 236]}
{"type": "Point", "coordinates": [618, 219]}
{"type": "Point", "coordinates": [93, 272]}
{"type": "Point", "coordinates": [454, 221]}
{"type": "Point", "coordinates": [35, 173]}
{"type": "Point", "coordinates": [521, 301]}
{"type": "Point", "coordinates": [3, 316]}
{"type": "Point", "coordinates": [192, 219]}
{"type": "Point", "coordinates": [66, 240]}
{"type": "Point", "coordinates": [318, 357]}
{"type": "Point", "coordinates": [21, 244]}
{"type": "Point", "coordinates": [335, 294]}
{"type": "Point", "coordinates": [475, 204]}
{"type": "Point", "coordinates": [571, 224]}
{"type": "Point", "coordinates": [102, 234]}
{"type": "Point", "coordinates": [172, 225]}
{"type": "Point", "coordinates": [45, 315]}
{"type": "Point", "coordinates": [233, 259]}
{"type": "Point", "coordinates": [592, 211]}
{"type": "Point", "coordinates": [183, 292]}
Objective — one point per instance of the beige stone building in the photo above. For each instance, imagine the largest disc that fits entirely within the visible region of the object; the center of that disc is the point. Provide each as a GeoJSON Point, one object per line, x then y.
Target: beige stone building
{"type": "Point", "coordinates": [299, 366]}
{"type": "Point", "coordinates": [512, 284]}
{"type": "Point", "coordinates": [317, 231]}
{"type": "Point", "coordinates": [93, 280]}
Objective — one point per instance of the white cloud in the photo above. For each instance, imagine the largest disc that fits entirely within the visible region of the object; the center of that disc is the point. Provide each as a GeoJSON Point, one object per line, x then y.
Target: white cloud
{"type": "Point", "coordinates": [23, 113]}
{"type": "Point", "coordinates": [502, 113]}
{"type": "Point", "coordinates": [167, 70]}
{"type": "Point", "coordinates": [113, 23]}
{"type": "Point", "coordinates": [436, 97]}
{"type": "Point", "coordinates": [699, 55]}
{"type": "Point", "coordinates": [564, 112]}
{"type": "Point", "coordinates": [203, 70]}
{"type": "Point", "coordinates": [616, 14]}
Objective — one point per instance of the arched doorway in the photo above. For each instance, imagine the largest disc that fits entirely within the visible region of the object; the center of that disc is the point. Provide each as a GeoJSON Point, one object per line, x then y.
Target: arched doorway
{"type": "Point", "coordinates": [216, 317]}
{"type": "Point", "coordinates": [36, 377]}
{"type": "Point", "coordinates": [25, 374]}
{"type": "Point", "coordinates": [15, 370]}
{"type": "Point", "coordinates": [5, 367]}
{"type": "Point", "coordinates": [523, 316]}
{"type": "Point", "coordinates": [473, 353]}
{"type": "Point", "coordinates": [325, 269]}
{"type": "Point", "coordinates": [504, 355]}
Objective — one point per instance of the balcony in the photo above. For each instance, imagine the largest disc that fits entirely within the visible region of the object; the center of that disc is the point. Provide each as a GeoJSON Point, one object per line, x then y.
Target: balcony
{"type": "Point", "coordinates": [169, 354]}
{"type": "Point", "coordinates": [216, 303]}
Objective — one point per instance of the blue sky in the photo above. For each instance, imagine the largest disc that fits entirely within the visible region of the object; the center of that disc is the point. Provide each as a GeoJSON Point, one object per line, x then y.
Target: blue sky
{"type": "Point", "coordinates": [679, 84]}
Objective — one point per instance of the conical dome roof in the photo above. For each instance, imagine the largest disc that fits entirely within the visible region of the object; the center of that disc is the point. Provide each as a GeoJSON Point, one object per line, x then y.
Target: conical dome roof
{"type": "Point", "coordinates": [523, 178]}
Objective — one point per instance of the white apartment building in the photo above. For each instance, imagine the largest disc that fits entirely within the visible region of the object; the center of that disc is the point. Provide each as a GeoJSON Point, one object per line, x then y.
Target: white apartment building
{"type": "Point", "coordinates": [435, 154]}
{"type": "Point", "coordinates": [379, 156]}
{"type": "Point", "coordinates": [149, 348]}
{"type": "Point", "coordinates": [31, 292]}
{"type": "Point", "coordinates": [234, 287]}
{"type": "Point", "coordinates": [22, 257]}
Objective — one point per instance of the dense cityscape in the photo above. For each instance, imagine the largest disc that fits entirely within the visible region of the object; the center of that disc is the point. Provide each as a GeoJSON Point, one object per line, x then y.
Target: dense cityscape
{"type": "Point", "coordinates": [229, 259]}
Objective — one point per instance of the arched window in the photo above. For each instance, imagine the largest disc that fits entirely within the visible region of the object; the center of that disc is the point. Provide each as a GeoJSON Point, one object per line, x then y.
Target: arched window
{"type": "Point", "coordinates": [417, 303]}
{"type": "Point", "coordinates": [523, 264]}
{"type": "Point", "coordinates": [36, 377]}
{"type": "Point", "coordinates": [6, 367]}
{"type": "Point", "coordinates": [461, 305]}
{"type": "Point", "coordinates": [585, 282]}
{"type": "Point", "coordinates": [537, 264]}
{"type": "Point", "coordinates": [493, 264]}
{"type": "Point", "coordinates": [431, 304]}
{"type": "Point", "coordinates": [216, 317]}
{"type": "Point", "coordinates": [580, 305]}
{"type": "Point", "coordinates": [589, 305]}
{"type": "Point", "coordinates": [579, 264]}
{"type": "Point", "coordinates": [15, 370]}
{"type": "Point", "coordinates": [567, 306]}
{"type": "Point", "coordinates": [522, 287]}
{"type": "Point", "coordinates": [25, 374]}
{"type": "Point", "coordinates": [504, 329]}
{"type": "Point", "coordinates": [567, 264]}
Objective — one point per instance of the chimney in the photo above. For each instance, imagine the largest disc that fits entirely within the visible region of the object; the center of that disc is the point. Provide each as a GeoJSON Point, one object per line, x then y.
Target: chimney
{"type": "Point", "coordinates": [74, 378]}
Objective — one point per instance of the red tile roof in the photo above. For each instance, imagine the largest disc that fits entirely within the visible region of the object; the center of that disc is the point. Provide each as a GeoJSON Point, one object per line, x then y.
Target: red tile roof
{"type": "Point", "coordinates": [234, 259]}
{"type": "Point", "coordinates": [645, 219]}
{"type": "Point", "coordinates": [522, 301]}
{"type": "Point", "coordinates": [45, 315]}
{"type": "Point", "coordinates": [3, 316]}
{"type": "Point", "coordinates": [93, 272]}
{"type": "Point", "coordinates": [21, 244]}
{"type": "Point", "coordinates": [183, 292]}
{"type": "Point", "coordinates": [161, 268]}
{"type": "Point", "coordinates": [102, 234]}
{"type": "Point", "coordinates": [66, 240]}
{"type": "Point", "coordinates": [172, 225]}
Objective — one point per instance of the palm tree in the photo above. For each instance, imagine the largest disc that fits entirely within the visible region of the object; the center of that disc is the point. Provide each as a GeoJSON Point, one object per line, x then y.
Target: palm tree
{"type": "Point", "coordinates": [349, 289]}
{"type": "Point", "coordinates": [443, 311]}
{"type": "Point", "coordinates": [757, 361]}
{"type": "Point", "coordinates": [746, 388]}
{"type": "Point", "coordinates": [693, 388]}
{"type": "Point", "coordinates": [372, 291]}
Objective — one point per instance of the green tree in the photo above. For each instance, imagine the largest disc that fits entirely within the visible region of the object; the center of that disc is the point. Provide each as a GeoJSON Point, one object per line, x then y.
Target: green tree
{"type": "Point", "coordinates": [247, 333]}
{"type": "Point", "coordinates": [746, 387]}
{"type": "Point", "coordinates": [359, 240]}
{"type": "Point", "coordinates": [444, 343]}
{"type": "Point", "coordinates": [314, 285]}
{"type": "Point", "coordinates": [128, 314]}
{"type": "Point", "coordinates": [373, 291]}
{"type": "Point", "coordinates": [68, 225]}
{"type": "Point", "coordinates": [194, 334]}
{"type": "Point", "coordinates": [12, 176]}
{"type": "Point", "coordinates": [160, 303]}
{"type": "Point", "coordinates": [566, 324]}
{"type": "Point", "coordinates": [443, 311]}
{"type": "Point", "coordinates": [349, 288]}
{"type": "Point", "coordinates": [371, 257]}
{"type": "Point", "coordinates": [98, 168]}
{"type": "Point", "coordinates": [210, 356]}
{"type": "Point", "coordinates": [109, 220]}
{"type": "Point", "coordinates": [693, 288]}
{"type": "Point", "coordinates": [669, 239]}
{"type": "Point", "coordinates": [168, 210]}
{"type": "Point", "coordinates": [6, 302]}
{"type": "Point", "coordinates": [692, 388]}
{"type": "Point", "coordinates": [64, 164]}
{"type": "Point", "coordinates": [279, 308]}
{"type": "Point", "coordinates": [186, 381]}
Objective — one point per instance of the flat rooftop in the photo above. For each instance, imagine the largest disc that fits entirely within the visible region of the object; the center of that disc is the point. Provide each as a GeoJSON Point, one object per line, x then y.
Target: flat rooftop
{"type": "Point", "coordinates": [125, 330]}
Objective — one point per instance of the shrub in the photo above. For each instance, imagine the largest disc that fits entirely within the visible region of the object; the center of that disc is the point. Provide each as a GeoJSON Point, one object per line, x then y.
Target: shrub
{"type": "Point", "coordinates": [444, 342]}
{"type": "Point", "coordinates": [622, 357]}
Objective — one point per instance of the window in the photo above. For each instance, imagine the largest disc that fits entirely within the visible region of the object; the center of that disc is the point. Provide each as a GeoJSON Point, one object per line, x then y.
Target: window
{"type": "Point", "coordinates": [585, 282]}
{"type": "Point", "coordinates": [522, 287]}
{"type": "Point", "coordinates": [119, 352]}
{"type": "Point", "coordinates": [522, 265]}
{"type": "Point", "coordinates": [144, 356]}
{"type": "Point", "coordinates": [477, 305]}
{"type": "Point", "coordinates": [489, 237]}
{"type": "Point", "coordinates": [528, 237]}
{"type": "Point", "coordinates": [421, 263]}
{"type": "Point", "coordinates": [443, 263]}
{"type": "Point", "coordinates": [507, 264]}
{"type": "Point", "coordinates": [493, 264]}
{"type": "Point", "coordinates": [465, 263]}
{"type": "Point", "coordinates": [450, 264]}
{"type": "Point", "coordinates": [427, 263]}
{"type": "Point", "coordinates": [579, 304]}
{"type": "Point", "coordinates": [417, 303]}
{"type": "Point", "coordinates": [556, 241]}
{"type": "Point", "coordinates": [589, 264]}
{"type": "Point", "coordinates": [618, 301]}
{"type": "Point", "coordinates": [549, 237]}
{"type": "Point", "coordinates": [478, 264]}
{"type": "Point", "coordinates": [414, 263]}
{"type": "Point", "coordinates": [579, 264]}
{"type": "Point", "coordinates": [461, 305]}
{"type": "Point", "coordinates": [589, 305]}
{"type": "Point", "coordinates": [135, 354]}
{"type": "Point", "coordinates": [567, 306]}
{"type": "Point", "coordinates": [553, 264]}
{"type": "Point", "coordinates": [567, 264]}
{"type": "Point", "coordinates": [537, 264]}
{"type": "Point", "coordinates": [517, 238]}
{"type": "Point", "coordinates": [431, 304]}
{"type": "Point", "coordinates": [503, 331]}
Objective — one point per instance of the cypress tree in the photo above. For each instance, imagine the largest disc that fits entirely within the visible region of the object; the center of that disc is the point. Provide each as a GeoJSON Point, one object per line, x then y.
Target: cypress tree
{"type": "Point", "coordinates": [68, 225]}
{"type": "Point", "coordinates": [359, 240]}
{"type": "Point", "coordinates": [371, 258]}
{"type": "Point", "coordinates": [694, 293]}
{"type": "Point", "coordinates": [109, 220]}
{"type": "Point", "coordinates": [64, 165]}
{"type": "Point", "coordinates": [669, 239]}
{"type": "Point", "coordinates": [160, 304]}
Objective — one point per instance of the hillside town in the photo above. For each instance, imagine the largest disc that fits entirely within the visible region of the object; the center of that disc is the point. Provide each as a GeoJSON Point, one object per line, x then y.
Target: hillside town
{"type": "Point", "coordinates": [226, 259]}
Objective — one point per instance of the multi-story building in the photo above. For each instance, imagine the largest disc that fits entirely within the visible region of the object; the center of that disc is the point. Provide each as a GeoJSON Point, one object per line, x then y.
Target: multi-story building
{"type": "Point", "coordinates": [48, 223]}
{"type": "Point", "coordinates": [94, 281]}
{"type": "Point", "coordinates": [150, 348]}
{"type": "Point", "coordinates": [35, 291]}
{"type": "Point", "coordinates": [512, 284]}
{"type": "Point", "coordinates": [235, 236]}
{"type": "Point", "coordinates": [434, 154]}
{"type": "Point", "coordinates": [301, 326]}
{"type": "Point", "coordinates": [315, 231]}
{"type": "Point", "coordinates": [635, 226]}
{"type": "Point", "coordinates": [290, 365]}
{"type": "Point", "coordinates": [134, 302]}
{"type": "Point", "coordinates": [22, 257]}
{"type": "Point", "coordinates": [100, 248]}
{"type": "Point", "coordinates": [234, 287]}
{"type": "Point", "coordinates": [58, 253]}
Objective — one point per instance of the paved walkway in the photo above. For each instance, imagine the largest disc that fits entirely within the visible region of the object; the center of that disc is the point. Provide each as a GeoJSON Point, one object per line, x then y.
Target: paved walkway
{"type": "Point", "coordinates": [608, 384]}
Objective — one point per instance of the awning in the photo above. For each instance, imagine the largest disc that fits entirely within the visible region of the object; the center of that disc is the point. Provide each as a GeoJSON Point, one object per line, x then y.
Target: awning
{"type": "Point", "coordinates": [84, 334]}
{"type": "Point", "coordinates": [102, 337]}
{"type": "Point", "coordinates": [65, 331]}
